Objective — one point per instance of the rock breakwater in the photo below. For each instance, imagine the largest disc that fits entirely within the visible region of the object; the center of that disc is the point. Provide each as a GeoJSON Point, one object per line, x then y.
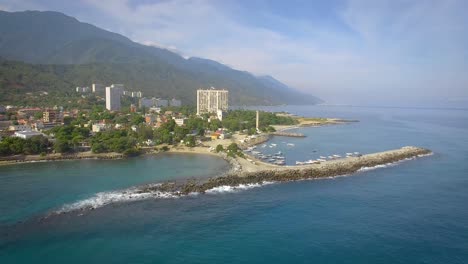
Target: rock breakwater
{"type": "Point", "coordinates": [290, 173]}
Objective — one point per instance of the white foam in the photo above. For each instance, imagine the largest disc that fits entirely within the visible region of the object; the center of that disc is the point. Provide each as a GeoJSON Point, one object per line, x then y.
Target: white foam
{"type": "Point", "coordinates": [105, 198]}
{"type": "Point", "coordinates": [393, 163]}
{"type": "Point", "coordinates": [375, 167]}
{"type": "Point", "coordinates": [231, 189]}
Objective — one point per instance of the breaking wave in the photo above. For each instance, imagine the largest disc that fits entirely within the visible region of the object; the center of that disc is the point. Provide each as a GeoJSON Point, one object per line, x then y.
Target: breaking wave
{"type": "Point", "coordinates": [136, 194]}
{"type": "Point", "coordinates": [104, 198]}
{"type": "Point", "coordinates": [392, 163]}
{"type": "Point", "coordinates": [231, 189]}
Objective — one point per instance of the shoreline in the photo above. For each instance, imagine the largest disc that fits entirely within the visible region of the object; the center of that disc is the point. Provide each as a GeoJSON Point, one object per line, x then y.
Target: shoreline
{"type": "Point", "coordinates": [88, 155]}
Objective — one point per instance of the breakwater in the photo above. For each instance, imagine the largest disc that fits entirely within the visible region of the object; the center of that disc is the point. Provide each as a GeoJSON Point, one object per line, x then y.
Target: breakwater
{"type": "Point", "coordinates": [287, 134]}
{"type": "Point", "coordinates": [289, 173]}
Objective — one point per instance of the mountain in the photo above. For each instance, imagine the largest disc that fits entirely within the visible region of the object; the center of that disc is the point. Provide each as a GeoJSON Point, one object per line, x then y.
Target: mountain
{"type": "Point", "coordinates": [77, 53]}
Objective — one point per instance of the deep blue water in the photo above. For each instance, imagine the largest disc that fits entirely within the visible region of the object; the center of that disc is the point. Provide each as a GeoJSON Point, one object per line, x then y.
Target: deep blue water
{"type": "Point", "coordinates": [415, 212]}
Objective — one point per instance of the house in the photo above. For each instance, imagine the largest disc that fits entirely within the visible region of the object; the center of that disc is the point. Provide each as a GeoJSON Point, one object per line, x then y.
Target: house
{"type": "Point", "coordinates": [179, 121]}
{"type": "Point", "coordinates": [27, 134]}
{"type": "Point", "coordinates": [98, 127]}
{"type": "Point", "coordinates": [19, 128]}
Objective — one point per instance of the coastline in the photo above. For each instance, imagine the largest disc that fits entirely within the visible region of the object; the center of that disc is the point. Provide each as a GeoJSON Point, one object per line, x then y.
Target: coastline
{"type": "Point", "coordinates": [303, 122]}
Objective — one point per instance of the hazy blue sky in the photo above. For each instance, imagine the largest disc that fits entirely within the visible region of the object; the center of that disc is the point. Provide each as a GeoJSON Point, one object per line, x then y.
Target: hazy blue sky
{"type": "Point", "coordinates": [346, 51]}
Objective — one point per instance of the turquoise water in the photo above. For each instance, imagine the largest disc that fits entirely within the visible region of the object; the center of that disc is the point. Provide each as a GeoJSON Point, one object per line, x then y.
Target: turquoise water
{"type": "Point", "coordinates": [32, 189]}
{"type": "Point", "coordinates": [414, 212]}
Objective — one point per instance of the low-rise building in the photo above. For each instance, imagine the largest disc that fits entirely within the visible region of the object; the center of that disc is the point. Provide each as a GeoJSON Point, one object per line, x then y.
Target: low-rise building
{"type": "Point", "coordinates": [150, 119]}
{"type": "Point", "coordinates": [179, 121]}
{"type": "Point", "coordinates": [99, 127]}
{"type": "Point", "coordinates": [27, 134]}
{"type": "Point", "coordinates": [19, 128]}
{"type": "Point", "coordinates": [82, 89]}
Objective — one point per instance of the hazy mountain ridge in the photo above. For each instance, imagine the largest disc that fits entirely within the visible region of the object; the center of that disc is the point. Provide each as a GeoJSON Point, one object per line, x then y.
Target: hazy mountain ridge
{"type": "Point", "coordinates": [82, 53]}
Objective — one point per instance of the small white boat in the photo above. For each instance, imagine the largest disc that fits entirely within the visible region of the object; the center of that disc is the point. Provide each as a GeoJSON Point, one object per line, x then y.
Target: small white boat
{"type": "Point", "coordinates": [336, 156]}
{"type": "Point", "coordinates": [278, 153]}
{"type": "Point", "coordinates": [349, 154]}
{"type": "Point", "coordinates": [321, 160]}
{"type": "Point", "coordinates": [255, 152]}
{"type": "Point", "coordinates": [290, 144]}
{"type": "Point", "coordinates": [273, 144]}
{"type": "Point", "coordinates": [323, 157]}
{"type": "Point", "coordinates": [299, 163]}
{"type": "Point", "coordinates": [330, 157]}
{"type": "Point", "coordinates": [279, 162]}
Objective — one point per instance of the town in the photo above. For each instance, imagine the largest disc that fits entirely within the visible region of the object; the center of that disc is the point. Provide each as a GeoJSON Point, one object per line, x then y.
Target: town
{"type": "Point", "coordinates": [145, 125]}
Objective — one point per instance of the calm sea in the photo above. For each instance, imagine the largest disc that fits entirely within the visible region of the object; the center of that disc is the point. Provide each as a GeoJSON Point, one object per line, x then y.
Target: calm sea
{"type": "Point", "coordinates": [413, 212]}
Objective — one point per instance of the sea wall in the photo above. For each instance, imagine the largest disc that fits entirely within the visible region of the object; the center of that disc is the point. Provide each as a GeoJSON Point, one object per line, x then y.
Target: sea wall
{"type": "Point", "coordinates": [291, 173]}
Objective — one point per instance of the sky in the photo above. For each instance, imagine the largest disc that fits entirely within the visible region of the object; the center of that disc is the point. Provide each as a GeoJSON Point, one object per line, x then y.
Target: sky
{"type": "Point", "coordinates": [367, 52]}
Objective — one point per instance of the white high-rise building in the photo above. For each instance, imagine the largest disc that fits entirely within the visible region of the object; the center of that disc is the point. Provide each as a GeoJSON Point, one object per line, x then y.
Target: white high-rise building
{"type": "Point", "coordinates": [98, 88]}
{"type": "Point", "coordinates": [211, 100]}
{"type": "Point", "coordinates": [113, 94]}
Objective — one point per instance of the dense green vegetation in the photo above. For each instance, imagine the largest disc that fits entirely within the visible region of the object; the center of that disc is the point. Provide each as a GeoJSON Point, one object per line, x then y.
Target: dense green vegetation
{"type": "Point", "coordinates": [237, 120]}
{"type": "Point", "coordinates": [133, 133]}
{"type": "Point", "coordinates": [15, 146]}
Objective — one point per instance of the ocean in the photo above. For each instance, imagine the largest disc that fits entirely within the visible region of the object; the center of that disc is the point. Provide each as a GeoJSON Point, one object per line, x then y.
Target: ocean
{"type": "Point", "coordinates": [411, 212]}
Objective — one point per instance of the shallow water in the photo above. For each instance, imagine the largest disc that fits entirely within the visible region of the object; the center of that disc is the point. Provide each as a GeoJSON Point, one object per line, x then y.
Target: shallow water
{"type": "Point", "coordinates": [35, 188]}
{"type": "Point", "coordinates": [414, 212]}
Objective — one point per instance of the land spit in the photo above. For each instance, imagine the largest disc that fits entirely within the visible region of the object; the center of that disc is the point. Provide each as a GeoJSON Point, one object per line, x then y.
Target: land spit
{"type": "Point", "coordinates": [270, 173]}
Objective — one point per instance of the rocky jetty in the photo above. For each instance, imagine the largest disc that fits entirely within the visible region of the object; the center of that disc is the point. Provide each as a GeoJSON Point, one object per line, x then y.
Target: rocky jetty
{"type": "Point", "coordinates": [291, 173]}
{"type": "Point", "coordinates": [287, 134]}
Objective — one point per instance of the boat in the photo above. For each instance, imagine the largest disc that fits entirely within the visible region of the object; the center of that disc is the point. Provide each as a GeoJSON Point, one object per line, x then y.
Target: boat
{"type": "Point", "coordinates": [273, 144]}
{"type": "Point", "coordinates": [290, 144]}
{"type": "Point", "coordinates": [279, 162]}
{"type": "Point", "coordinates": [349, 154]}
{"type": "Point", "coordinates": [271, 160]}
{"type": "Point", "coordinates": [323, 157]}
{"type": "Point", "coordinates": [336, 156]}
{"type": "Point", "coordinates": [278, 153]}
{"type": "Point", "coordinates": [255, 152]}
{"type": "Point", "coordinates": [321, 160]}
{"type": "Point", "coordinates": [264, 145]}
{"type": "Point", "coordinates": [299, 163]}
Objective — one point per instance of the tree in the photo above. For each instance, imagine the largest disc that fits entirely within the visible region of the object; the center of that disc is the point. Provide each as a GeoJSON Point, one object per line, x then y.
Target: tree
{"type": "Point", "coordinates": [219, 148]}
{"type": "Point", "coordinates": [189, 141]}
{"type": "Point", "coordinates": [61, 146]}
{"type": "Point", "coordinates": [38, 115]}
{"type": "Point", "coordinates": [137, 119]}
{"type": "Point", "coordinates": [67, 120]}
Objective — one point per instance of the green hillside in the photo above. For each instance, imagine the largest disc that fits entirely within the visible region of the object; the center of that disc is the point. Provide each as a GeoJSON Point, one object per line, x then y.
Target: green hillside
{"type": "Point", "coordinates": [63, 53]}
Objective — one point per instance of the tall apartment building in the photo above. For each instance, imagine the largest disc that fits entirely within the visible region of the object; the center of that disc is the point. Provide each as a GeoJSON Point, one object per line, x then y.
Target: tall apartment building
{"type": "Point", "coordinates": [113, 94]}
{"type": "Point", "coordinates": [49, 116]}
{"type": "Point", "coordinates": [211, 100]}
{"type": "Point", "coordinates": [98, 88]}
